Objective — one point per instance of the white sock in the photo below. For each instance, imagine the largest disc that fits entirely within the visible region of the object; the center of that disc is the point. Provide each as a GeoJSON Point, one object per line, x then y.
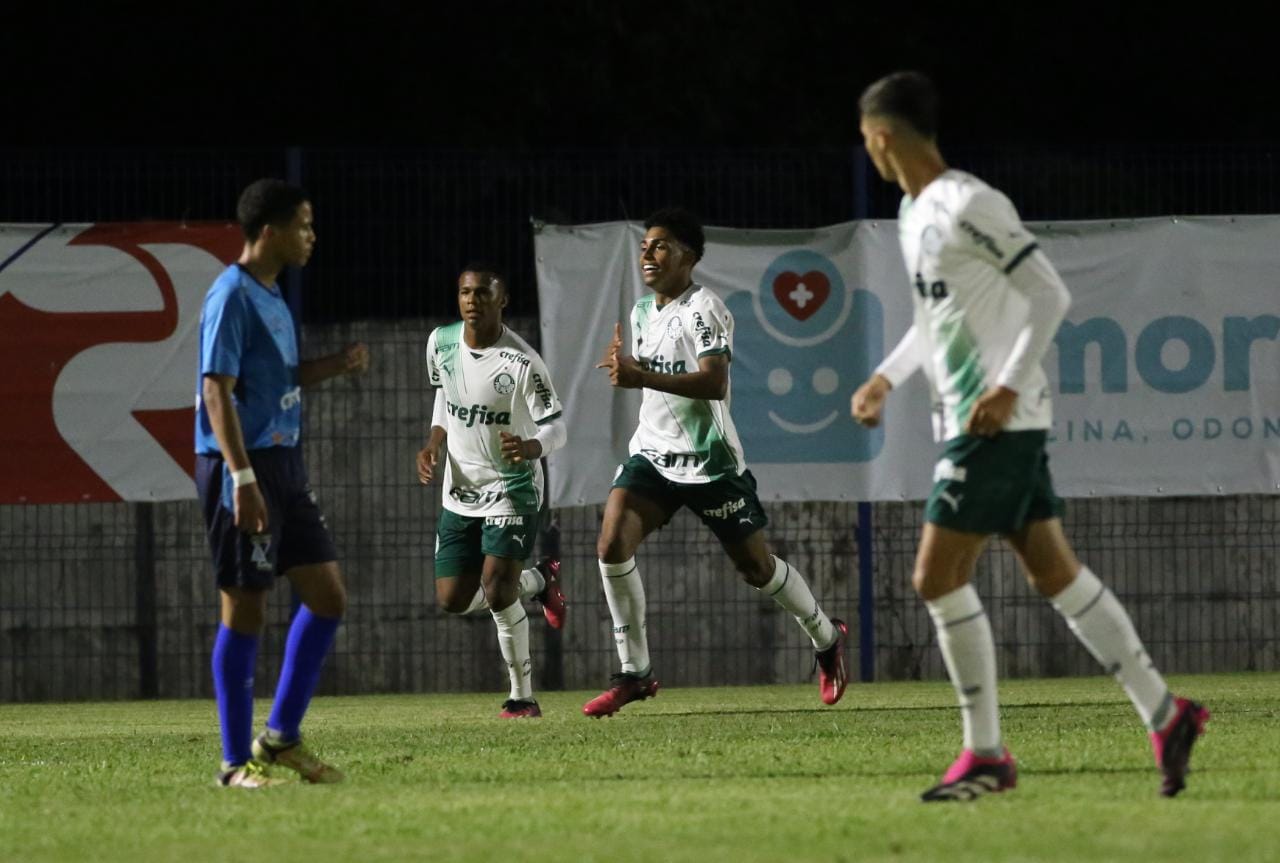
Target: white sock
{"type": "Point", "coordinates": [513, 641]}
{"type": "Point", "coordinates": [789, 590]}
{"type": "Point", "coordinates": [531, 584]}
{"type": "Point", "coordinates": [625, 594]}
{"type": "Point", "coordinates": [478, 602]}
{"type": "Point", "coordinates": [1102, 625]}
{"type": "Point", "coordinates": [964, 636]}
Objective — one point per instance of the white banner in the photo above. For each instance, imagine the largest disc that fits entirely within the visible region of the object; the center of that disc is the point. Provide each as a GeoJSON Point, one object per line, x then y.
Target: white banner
{"type": "Point", "coordinates": [1165, 373]}
{"type": "Point", "coordinates": [99, 327]}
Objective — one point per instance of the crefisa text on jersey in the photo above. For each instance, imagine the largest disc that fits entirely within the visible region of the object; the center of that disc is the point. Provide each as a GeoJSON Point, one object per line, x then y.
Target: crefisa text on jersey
{"type": "Point", "coordinates": [480, 414]}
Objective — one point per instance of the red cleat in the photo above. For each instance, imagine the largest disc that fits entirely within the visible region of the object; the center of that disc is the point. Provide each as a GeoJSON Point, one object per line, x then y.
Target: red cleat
{"type": "Point", "coordinates": [625, 689]}
{"type": "Point", "coordinates": [833, 673]}
{"type": "Point", "coordinates": [1173, 745]}
{"type": "Point", "coordinates": [554, 607]}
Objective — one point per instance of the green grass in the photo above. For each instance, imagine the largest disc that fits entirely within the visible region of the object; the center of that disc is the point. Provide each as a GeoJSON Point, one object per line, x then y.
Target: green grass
{"type": "Point", "coordinates": [739, 774]}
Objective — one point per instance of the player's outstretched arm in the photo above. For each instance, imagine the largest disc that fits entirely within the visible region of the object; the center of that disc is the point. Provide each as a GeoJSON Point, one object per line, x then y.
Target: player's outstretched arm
{"type": "Point", "coordinates": [709, 382]}
{"type": "Point", "coordinates": [351, 360]}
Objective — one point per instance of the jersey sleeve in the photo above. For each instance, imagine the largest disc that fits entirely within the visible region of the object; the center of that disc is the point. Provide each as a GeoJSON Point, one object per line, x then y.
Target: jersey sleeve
{"type": "Point", "coordinates": [225, 329]}
{"type": "Point", "coordinates": [713, 330]}
{"type": "Point", "coordinates": [539, 394]}
{"type": "Point", "coordinates": [989, 229]}
{"type": "Point", "coordinates": [433, 368]}
{"type": "Point", "coordinates": [633, 321]}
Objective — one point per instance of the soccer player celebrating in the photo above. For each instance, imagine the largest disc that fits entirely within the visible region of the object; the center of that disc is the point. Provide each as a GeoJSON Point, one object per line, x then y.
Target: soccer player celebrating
{"type": "Point", "coordinates": [496, 414]}
{"type": "Point", "coordinates": [987, 305]}
{"type": "Point", "coordinates": [261, 515]}
{"type": "Point", "coordinates": [685, 452]}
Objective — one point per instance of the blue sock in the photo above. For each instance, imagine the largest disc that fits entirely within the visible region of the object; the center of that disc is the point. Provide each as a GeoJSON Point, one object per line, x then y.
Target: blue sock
{"type": "Point", "coordinates": [234, 656]}
{"type": "Point", "coordinates": [308, 644]}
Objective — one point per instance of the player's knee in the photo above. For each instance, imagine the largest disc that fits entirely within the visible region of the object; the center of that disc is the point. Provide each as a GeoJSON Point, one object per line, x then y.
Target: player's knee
{"type": "Point", "coordinates": [755, 572]}
{"type": "Point", "coordinates": [452, 601]}
{"type": "Point", "coordinates": [931, 584]}
{"type": "Point", "coordinates": [331, 602]}
{"type": "Point", "coordinates": [610, 548]}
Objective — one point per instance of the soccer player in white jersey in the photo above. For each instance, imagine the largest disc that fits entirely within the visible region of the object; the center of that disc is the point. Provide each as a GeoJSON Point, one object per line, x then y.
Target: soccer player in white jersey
{"type": "Point", "coordinates": [496, 414]}
{"type": "Point", "coordinates": [685, 452]}
{"type": "Point", "coordinates": [987, 305]}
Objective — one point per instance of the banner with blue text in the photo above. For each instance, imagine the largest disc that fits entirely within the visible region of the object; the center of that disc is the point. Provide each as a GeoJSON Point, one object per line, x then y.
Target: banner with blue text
{"type": "Point", "coordinates": [1165, 374]}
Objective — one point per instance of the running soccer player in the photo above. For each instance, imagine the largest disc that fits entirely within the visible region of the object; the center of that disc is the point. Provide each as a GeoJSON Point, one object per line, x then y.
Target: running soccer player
{"type": "Point", "coordinates": [987, 305]}
{"type": "Point", "coordinates": [496, 415]}
{"type": "Point", "coordinates": [685, 452]}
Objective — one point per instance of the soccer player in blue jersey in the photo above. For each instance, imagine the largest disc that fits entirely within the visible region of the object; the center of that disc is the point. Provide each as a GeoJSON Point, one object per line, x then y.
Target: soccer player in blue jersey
{"type": "Point", "coordinates": [260, 512]}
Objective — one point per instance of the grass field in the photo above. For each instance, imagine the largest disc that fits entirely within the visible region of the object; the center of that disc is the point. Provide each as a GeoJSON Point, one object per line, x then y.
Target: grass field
{"type": "Point", "coordinates": [741, 774]}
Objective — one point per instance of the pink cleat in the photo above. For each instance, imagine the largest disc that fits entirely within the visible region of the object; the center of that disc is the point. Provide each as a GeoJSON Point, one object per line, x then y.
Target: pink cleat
{"type": "Point", "coordinates": [971, 776]}
{"type": "Point", "coordinates": [1173, 744]}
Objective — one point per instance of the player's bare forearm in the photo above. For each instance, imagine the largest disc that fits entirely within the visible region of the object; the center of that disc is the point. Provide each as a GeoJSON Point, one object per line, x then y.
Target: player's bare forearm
{"type": "Point", "coordinates": [708, 385]}
{"type": "Point", "coordinates": [709, 382]}
{"type": "Point", "coordinates": [351, 360]}
{"type": "Point", "coordinates": [215, 391]}
{"type": "Point", "coordinates": [436, 438]}
{"type": "Point", "coordinates": [517, 450]}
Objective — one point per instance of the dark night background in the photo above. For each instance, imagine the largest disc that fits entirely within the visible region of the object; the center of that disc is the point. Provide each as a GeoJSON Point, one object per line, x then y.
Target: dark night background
{"type": "Point", "coordinates": [449, 125]}
{"type": "Point", "coordinates": [613, 75]}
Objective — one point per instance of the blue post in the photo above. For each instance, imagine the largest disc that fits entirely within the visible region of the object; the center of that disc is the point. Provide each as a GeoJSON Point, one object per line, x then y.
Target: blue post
{"type": "Point", "coordinates": [866, 586]}
{"type": "Point", "coordinates": [866, 597]}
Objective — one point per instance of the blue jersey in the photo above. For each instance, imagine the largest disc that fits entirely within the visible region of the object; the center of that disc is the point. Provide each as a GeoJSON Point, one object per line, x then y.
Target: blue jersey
{"type": "Point", "coordinates": [246, 332]}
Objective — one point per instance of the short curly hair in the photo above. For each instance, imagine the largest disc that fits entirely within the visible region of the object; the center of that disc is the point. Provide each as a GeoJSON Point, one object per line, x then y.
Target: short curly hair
{"type": "Point", "coordinates": [683, 225]}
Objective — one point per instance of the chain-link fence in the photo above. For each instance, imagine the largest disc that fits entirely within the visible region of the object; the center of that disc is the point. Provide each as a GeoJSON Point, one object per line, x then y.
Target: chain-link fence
{"type": "Point", "coordinates": [117, 600]}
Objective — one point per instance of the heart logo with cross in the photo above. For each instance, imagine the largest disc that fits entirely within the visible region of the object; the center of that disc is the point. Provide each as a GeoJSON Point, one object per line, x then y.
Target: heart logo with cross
{"type": "Point", "coordinates": [801, 295]}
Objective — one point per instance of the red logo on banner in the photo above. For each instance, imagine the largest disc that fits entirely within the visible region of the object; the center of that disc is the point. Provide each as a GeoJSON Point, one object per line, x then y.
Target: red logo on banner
{"type": "Point", "coordinates": [801, 296]}
{"type": "Point", "coordinates": [37, 465]}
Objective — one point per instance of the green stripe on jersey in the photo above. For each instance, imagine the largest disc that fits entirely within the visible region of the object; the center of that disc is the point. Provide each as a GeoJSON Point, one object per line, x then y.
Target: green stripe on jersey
{"type": "Point", "coordinates": [449, 334]}
{"type": "Point", "coordinates": [699, 422]}
{"type": "Point", "coordinates": [643, 309]}
{"type": "Point", "coordinates": [964, 364]}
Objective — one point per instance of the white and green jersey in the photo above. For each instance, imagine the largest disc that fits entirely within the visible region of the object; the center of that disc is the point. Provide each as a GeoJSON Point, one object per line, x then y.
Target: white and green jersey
{"type": "Point", "coordinates": [504, 387]}
{"type": "Point", "coordinates": [687, 440]}
{"type": "Point", "coordinates": [960, 240]}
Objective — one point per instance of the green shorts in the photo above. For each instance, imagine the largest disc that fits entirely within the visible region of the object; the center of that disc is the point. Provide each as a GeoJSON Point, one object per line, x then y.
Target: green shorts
{"type": "Point", "coordinates": [728, 505]}
{"type": "Point", "coordinates": [463, 542]}
{"type": "Point", "coordinates": [993, 485]}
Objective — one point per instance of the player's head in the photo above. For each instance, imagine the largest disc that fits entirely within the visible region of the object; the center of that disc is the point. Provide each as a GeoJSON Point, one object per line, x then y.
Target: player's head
{"type": "Point", "coordinates": [673, 243]}
{"type": "Point", "coordinates": [482, 294]}
{"type": "Point", "coordinates": [898, 110]}
{"type": "Point", "coordinates": [277, 215]}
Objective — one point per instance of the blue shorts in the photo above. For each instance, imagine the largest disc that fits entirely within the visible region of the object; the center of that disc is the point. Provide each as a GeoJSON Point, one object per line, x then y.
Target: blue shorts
{"type": "Point", "coordinates": [296, 533]}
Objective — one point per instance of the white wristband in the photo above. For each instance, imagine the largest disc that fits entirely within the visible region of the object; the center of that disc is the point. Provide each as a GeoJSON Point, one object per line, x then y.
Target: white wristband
{"type": "Point", "coordinates": [243, 477]}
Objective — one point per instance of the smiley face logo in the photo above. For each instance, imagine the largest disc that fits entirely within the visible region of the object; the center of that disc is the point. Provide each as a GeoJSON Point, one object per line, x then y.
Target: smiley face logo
{"type": "Point", "coordinates": [805, 340]}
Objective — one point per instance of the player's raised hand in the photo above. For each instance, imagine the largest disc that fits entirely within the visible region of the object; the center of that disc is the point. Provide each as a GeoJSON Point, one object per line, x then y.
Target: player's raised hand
{"type": "Point", "coordinates": [355, 359]}
{"type": "Point", "coordinates": [868, 401]}
{"type": "Point", "coordinates": [428, 458]}
{"type": "Point", "coordinates": [991, 412]}
{"type": "Point", "coordinates": [610, 358]}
